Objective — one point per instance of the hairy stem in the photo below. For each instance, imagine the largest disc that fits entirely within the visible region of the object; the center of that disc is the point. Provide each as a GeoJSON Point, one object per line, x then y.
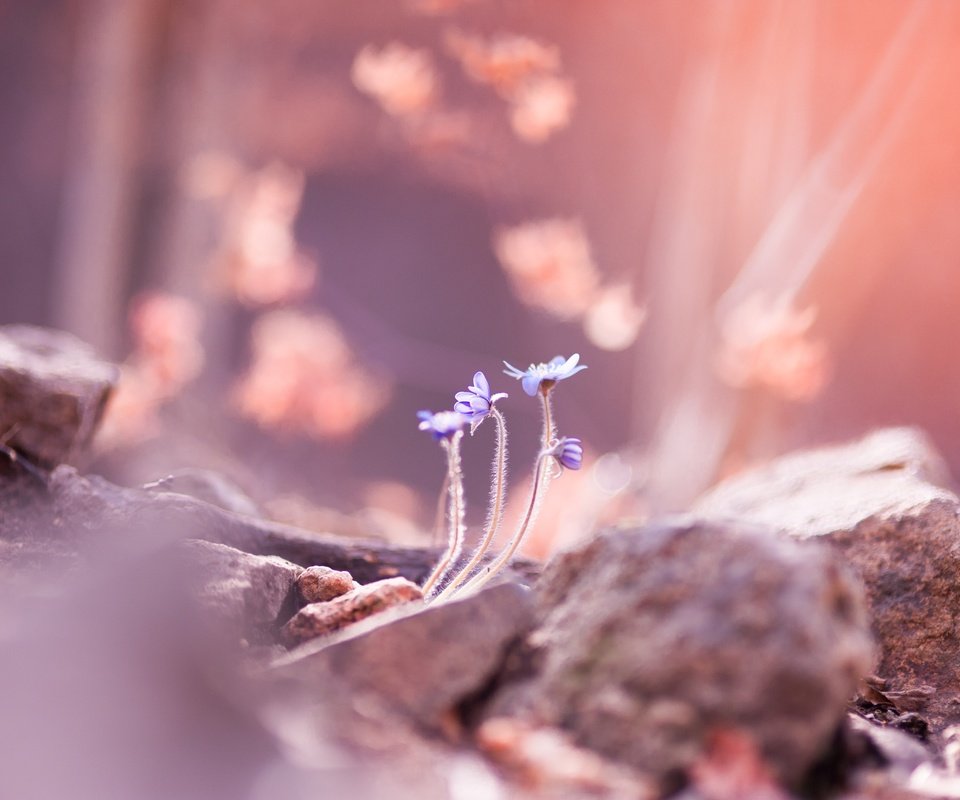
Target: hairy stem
{"type": "Point", "coordinates": [441, 515]}
{"type": "Point", "coordinates": [537, 490]}
{"type": "Point", "coordinates": [549, 434]}
{"type": "Point", "coordinates": [455, 489]}
{"type": "Point", "coordinates": [497, 502]}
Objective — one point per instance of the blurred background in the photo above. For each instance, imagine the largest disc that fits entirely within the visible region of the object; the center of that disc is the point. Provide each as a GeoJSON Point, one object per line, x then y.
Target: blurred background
{"type": "Point", "coordinates": [297, 223]}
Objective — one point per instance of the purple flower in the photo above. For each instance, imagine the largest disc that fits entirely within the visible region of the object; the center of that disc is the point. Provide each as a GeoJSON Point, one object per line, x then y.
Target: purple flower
{"type": "Point", "coordinates": [477, 402]}
{"type": "Point", "coordinates": [443, 424]}
{"type": "Point", "coordinates": [545, 375]}
{"type": "Point", "coordinates": [568, 451]}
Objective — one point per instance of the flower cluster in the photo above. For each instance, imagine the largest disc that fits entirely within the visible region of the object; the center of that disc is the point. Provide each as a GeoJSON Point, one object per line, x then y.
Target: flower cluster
{"type": "Point", "coordinates": [767, 345]}
{"type": "Point", "coordinates": [524, 72]}
{"type": "Point", "coordinates": [304, 377]}
{"type": "Point", "coordinates": [472, 407]}
{"type": "Point", "coordinates": [402, 79]}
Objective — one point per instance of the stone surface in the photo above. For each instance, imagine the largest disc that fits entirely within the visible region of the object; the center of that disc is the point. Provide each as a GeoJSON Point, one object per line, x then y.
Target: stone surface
{"type": "Point", "coordinates": [413, 663]}
{"type": "Point", "coordinates": [880, 502]}
{"type": "Point", "coordinates": [106, 626]}
{"type": "Point", "coordinates": [545, 761]}
{"type": "Point", "coordinates": [900, 751]}
{"type": "Point", "coordinates": [816, 492]}
{"type": "Point", "coordinates": [650, 639]}
{"type": "Point", "coordinates": [209, 486]}
{"type": "Point", "coordinates": [884, 792]}
{"type": "Point", "coordinates": [247, 594]}
{"type": "Point", "coordinates": [320, 619]}
{"type": "Point", "coordinates": [81, 505]}
{"type": "Point", "coordinates": [319, 584]}
{"type": "Point", "coordinates": [53, 390]}
{"type": "Point", "coordinates": [112, 689]}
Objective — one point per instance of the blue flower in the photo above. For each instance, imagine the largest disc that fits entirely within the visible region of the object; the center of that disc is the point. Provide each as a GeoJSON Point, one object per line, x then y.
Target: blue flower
{"type": "Point", "coordinates": [443, 424]}
{"type": "Point", "coordinates": [542, 377]}
{"type": "Point", "coordinates": [477, 402]}
{"type": "Point", "coordinates": [568, 451]}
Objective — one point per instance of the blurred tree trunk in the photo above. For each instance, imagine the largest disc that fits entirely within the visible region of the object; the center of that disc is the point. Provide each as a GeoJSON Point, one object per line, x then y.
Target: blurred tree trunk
{"type": "Point", "coordinates": [110, 95]}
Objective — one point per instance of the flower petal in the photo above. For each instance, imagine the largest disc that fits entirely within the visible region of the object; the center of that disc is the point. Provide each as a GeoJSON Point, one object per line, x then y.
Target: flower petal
{"type": "Point", "coordinates": [571, 453]}
{"type": "Point", "coordinates": [573, 371]}
{"type": "Point", "coordinates": [480, 382]}
{"type": "Point", "coordinates": [512, 371]}
{"type": "Point", "coordinates": [464, 397]}
{"type": "Point", "coordinates": [570, 363]}
{"type": "Point", "coordinates": [530, 384]}
{"type": "Point", "coordinates": [463, 407]}
{"type": "Point", "coordinates": [497, 397]}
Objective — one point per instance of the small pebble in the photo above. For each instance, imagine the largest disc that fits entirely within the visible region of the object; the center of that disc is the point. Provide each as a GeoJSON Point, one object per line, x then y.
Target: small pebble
{"type": "Point", "coordinates": [319, 619]}
{"type": "Point", "coordinates": [319, 584]}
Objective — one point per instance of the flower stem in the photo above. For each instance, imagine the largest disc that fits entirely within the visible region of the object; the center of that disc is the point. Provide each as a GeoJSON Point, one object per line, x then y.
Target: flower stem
{"type": "Point", "coordinates": [537, 490]}
{"type": "Point", "coordinates": [441, 515]}
{"type": "Point", "coordinates": [455, 487]}
{"type": "Point", "coordinates": [497, 501]}
{"type": "Point", "coordinates": [549, 434]}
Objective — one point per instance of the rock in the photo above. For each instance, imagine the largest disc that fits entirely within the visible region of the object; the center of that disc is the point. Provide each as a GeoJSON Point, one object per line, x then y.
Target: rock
{"type": "Point", "coordinates": [319, 619]}
{"type": "Point", "coordinates": [119, 637]}
{"type": "Point", "coordinates": [880, 502]}
{"type": "Point", "coordinates": [247, 594]}
{"type": "Point", "coordinates": [118, 642]}
{"type": "Point", "coordinates": [547, 762]}
{"type": "Point", "coordinates": [893, 792]}
{"type": "Point", "coordinates": [414, 663]}
{"type": "Point", "coordinates": [816, 492]}
{"type": "Point", "coordinates": [82, 504]}
{"type": "Point", "coordinates": [209, 486]}
{"type": "Point", "coordinates": [900, 751]}
{"type": "Point", "coordinates": [732, 768]}
{"type": "Point", "coordinates": [53, 391]}
{"type": "Point", "coordinates": [928, 781]}
{"type": "Point", "coordinates": [319, 584]}
{"type": "Point", "coordinates": [651, 639]}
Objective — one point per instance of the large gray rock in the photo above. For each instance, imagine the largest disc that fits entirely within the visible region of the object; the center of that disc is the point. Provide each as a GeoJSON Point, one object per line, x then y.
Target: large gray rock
{"type": "Point", "coordinates": [414, 663]}
{"type": "Point", "coordinates": [53, 390]}
{"type": "Point", "coordinates": [207, 485]}
{"type": "Point", "coordinates": [112, 623]}
{"type": "Point", "coordinates": [820, 491]}
{"type": "Point", "coordinates": [880, 502]}
{"type": "Point", "coordinates": [900, 752]}
{"type": "Point", "coordinates": [113, 689]}
{"type": "Point", "coordinates": [81, 506]}
{"type": "Point", "coordinates": [249, 596]}
{"type": "Point", "coordinates": [650, 639]}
